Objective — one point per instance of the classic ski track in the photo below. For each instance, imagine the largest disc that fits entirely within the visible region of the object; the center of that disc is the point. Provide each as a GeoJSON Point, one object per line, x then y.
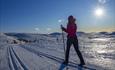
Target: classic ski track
{"type": "Point", "coordinates": [15, 63]}
{"type": "Point", "coordinates": [57, 59]}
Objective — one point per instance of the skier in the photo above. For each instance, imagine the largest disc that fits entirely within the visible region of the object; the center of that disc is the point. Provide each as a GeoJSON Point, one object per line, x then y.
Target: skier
{"type": "Point", "coordinates": [72, 39]}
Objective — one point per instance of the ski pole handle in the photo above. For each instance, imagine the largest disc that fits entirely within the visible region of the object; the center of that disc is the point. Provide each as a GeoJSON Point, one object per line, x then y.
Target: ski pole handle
{"type": "Point", "coordinates": [61, 26]}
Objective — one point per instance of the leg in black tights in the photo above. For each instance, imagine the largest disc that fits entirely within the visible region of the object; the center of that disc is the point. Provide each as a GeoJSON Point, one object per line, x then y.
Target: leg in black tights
{"type": "Point", "coordinates": [76, 46]}
{"type": "Point", "coordinates": [69, 43]}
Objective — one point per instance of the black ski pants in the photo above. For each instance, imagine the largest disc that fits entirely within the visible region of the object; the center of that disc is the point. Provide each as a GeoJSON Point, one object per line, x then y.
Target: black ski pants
{"type": "Point", "coordinates": [73, 41]}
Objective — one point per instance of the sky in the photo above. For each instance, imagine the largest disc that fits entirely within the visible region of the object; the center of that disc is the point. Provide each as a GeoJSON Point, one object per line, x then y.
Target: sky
{"type": "Point", "coordinates": [46, 16]}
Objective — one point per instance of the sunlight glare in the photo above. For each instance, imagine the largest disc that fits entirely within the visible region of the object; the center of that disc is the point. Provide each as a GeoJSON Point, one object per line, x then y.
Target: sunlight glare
{"type": "Point", "coordinates": [99, 12]}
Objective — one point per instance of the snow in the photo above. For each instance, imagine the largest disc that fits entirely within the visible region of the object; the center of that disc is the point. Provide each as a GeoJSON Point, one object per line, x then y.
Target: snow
{"type": "Point", "coordinates": [45, 51]}
{"type": "Point", "coordinates": [3, 57]}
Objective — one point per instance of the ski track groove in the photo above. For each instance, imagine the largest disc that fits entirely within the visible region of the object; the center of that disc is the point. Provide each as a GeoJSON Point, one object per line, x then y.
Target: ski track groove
{"type": "Point", "coordinates": [15, 63]}
{"type": "Point", "coordinates": [57, 59]}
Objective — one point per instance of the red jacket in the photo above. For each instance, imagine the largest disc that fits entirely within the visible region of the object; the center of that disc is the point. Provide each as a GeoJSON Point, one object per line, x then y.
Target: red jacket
{"type": "Point", "coordinates": [71, 30]}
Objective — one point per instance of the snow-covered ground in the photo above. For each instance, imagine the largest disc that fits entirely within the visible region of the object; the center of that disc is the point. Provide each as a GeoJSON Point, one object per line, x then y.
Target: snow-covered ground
{"type": "Point", "coordinates": [26, 51]}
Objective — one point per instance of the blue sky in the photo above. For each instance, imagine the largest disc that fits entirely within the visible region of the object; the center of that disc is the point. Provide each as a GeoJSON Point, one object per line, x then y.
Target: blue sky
{"type": "Point", "coordinates": [42, 16]}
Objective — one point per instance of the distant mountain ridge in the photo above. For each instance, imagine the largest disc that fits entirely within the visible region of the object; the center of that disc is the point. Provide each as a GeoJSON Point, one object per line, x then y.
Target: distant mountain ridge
{"type": "Point", "coordinates": [80, 33]}
{"type": "Point", "coordinates": [55, 33]}
{"type": "Point", "coordinates": [107, 33]}
{"type": "Point", "coordinates": [28, 35]}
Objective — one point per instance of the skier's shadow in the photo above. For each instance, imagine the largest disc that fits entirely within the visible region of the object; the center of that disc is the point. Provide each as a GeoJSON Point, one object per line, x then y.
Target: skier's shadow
{"type": "Point", "coordinates": [64, 67]}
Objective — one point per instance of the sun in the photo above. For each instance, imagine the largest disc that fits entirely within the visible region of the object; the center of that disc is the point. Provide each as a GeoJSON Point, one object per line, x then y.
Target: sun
{"type": "Point", "coordinates": [99, 12]}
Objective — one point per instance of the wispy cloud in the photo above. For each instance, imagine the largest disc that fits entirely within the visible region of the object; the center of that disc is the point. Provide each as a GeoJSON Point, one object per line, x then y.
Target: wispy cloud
{"type": "Point", "coordinates": [48, 29]}
{"type": "Point", "coordinates": [37, 29]}
{"type": "Point", "coordinates": [59, 20]}
{"type": "Point", "coordinates": [102, 1]}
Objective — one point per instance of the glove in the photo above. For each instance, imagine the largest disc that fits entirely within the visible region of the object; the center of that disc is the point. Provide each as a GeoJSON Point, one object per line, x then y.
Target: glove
{"type": "Point", "coordinates": [63, 29]}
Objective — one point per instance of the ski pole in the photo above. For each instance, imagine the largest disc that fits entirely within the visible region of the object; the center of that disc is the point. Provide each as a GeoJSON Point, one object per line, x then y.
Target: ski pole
{"type": "Point", "coordinates": [63, 44]}
{"type": "Point", "coordinates": [63, 40]}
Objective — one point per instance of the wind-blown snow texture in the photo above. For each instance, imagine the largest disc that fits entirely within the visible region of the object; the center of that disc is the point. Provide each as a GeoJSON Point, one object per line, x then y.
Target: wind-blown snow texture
{"type": "Point", "coordinates": [26, 51]}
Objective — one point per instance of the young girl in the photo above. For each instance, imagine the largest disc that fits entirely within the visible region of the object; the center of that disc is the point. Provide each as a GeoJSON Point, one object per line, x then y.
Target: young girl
{"type": "Point", "coordinates": [72, 39]}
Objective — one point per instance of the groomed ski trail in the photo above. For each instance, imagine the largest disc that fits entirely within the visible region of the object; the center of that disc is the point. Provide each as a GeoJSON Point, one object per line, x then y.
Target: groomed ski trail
{"type": "Point", "coordinates": [57, 59]}
{"type": "Point", "coordinates": [15, 63]}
